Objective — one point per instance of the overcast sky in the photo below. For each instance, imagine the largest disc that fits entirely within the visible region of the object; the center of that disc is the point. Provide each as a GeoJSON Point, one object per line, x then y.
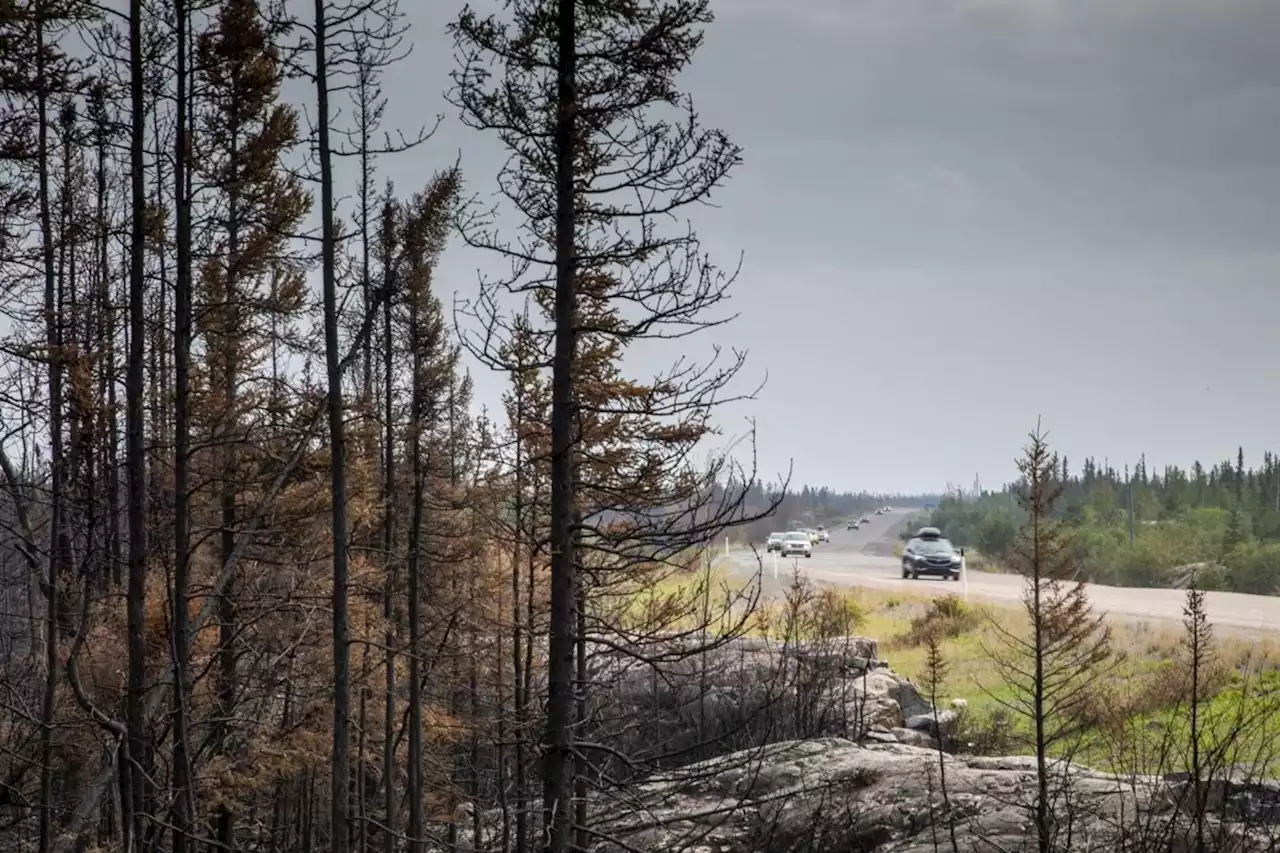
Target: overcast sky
{"type": "Point", "coordinates": [961, 215]}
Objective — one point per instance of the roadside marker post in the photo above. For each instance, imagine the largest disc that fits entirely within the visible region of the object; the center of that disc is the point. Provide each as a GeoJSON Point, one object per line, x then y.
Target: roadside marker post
{"type": "Point", "coordinates": [775, 565]}
{"type": "Point", "coordinates": [964, 576]}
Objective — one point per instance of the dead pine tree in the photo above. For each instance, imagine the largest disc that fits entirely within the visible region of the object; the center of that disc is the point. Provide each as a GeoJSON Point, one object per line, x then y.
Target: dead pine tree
{"type": "Point", "coordinates": [598, 165]}
{"type": "Point", "coordinates": [180, 643]}
{"type": "Point", "coordinates": [249, 279]}
{"type": "Point", "coordinates": [339, 805]}
{"type": "Point", "coordinates": [387, 249]}
{"type": "Point", "coordinates": [426, 221]}
{"type": "Point", "coordinates": [132, 775]}
{"type": "Point", "coordinates": [553, 210]}
{"type": "Point", "coordinates": [1053, 663]}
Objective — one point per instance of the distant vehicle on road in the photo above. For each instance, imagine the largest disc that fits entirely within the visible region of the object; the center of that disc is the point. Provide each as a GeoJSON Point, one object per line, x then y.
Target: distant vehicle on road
{"type": "Point", "coordinates": [864, 520]}
{"type": "Point", "coordinates": [796, 544]}
{"type": "Point", "coordinates": [823, 535]}
{"type": "Point", "coordinates": [879, 512]}
{"type": "Point", "coordinates": [929, 553]}
{"type": "Point", "coordinates": [774, 542]}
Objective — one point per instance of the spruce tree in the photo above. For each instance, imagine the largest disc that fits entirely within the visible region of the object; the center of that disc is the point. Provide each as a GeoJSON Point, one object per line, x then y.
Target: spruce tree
{"type": "Point", "coordinates": [1050, 664]}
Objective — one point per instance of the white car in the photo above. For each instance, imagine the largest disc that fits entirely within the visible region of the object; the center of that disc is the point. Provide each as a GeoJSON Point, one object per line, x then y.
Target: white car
{"type": "Point", "coordinates": [774, 542]}
{"type": "Point", "coordinates": [824, 536]}
{"type": "Point", "coordinates": [797, 544]}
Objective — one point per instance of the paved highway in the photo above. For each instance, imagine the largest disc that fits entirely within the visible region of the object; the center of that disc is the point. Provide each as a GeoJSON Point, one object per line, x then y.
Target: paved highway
{"type": "Point", "coordinates": [865, 558]}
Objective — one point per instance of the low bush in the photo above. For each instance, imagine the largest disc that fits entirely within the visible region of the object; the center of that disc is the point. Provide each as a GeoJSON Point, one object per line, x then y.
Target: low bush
{"type": "Point", "coordinates": [946, 617]}
{"type": "Point", "coordinates": [834, 613]}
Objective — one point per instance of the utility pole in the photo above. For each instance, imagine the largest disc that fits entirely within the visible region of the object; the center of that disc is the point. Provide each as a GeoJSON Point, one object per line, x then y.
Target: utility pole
{"type": "Point", "coordinates": [1272, 471]}
{"type": "Point", "coordinates": [1131, 536]}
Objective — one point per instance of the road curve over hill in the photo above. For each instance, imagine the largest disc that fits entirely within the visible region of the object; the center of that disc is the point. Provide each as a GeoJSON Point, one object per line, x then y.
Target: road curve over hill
{"type": "Point", "coordinates": [865, 558]}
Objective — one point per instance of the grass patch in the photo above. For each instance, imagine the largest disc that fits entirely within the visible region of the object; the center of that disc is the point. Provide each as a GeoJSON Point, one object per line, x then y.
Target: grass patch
{"type": "Point", "coordinates": [1140, 709]}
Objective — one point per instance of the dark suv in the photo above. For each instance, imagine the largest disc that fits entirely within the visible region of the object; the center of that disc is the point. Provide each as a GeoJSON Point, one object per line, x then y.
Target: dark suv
{"type": "Point", "coordinates": [930, 554]}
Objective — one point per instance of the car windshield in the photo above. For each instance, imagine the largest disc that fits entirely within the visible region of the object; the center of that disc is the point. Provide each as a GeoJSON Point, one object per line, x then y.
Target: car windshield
{"type": "Point", "coordinates": [933, 546]}
{"type": "Point", "coordinates": [798, 537]}
{"type": "Point", "coordinates": [775, 535]}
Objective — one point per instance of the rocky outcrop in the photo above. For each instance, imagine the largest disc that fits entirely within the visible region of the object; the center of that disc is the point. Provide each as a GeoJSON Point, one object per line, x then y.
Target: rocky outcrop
{"type": "Point", "coordinates": [834, 796]}
{"type": "Point", "coordinates": [833, 687]}
{"type": "Point", "coordinates": [859, 769]}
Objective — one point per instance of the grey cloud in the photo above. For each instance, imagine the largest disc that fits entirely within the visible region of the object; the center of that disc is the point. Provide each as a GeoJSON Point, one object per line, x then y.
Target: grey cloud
{"type": "Point", "coordinates": [1077, 188]}
{"type": "Point", "coordinates": [1078, 120]}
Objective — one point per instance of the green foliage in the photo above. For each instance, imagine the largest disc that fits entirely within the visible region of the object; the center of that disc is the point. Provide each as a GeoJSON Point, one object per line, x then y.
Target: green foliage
{"type": "Point", "coordinates": [1222, 519]}
{"type": "Point", "coordinates": [1253, 567]}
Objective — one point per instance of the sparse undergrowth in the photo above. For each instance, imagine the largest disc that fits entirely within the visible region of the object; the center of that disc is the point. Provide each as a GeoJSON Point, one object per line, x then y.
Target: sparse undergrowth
{"type": "Point", "coordinates": [1137, 714]}
{"type": "Point", "coordinates": [1140, 707]}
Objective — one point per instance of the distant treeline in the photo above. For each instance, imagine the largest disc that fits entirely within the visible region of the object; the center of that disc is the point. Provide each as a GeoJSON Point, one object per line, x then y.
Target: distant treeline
{"type": "Point", "coordinates": [1138, 527]}
{"type": "Point", "coordinates": [809, 506]}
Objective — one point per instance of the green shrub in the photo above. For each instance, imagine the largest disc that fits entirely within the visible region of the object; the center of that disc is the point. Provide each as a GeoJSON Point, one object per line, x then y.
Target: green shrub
{"type": "Point", "coordinates": [1254, 567]}
{"type": "Point", "coordinates": [995, 535]}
